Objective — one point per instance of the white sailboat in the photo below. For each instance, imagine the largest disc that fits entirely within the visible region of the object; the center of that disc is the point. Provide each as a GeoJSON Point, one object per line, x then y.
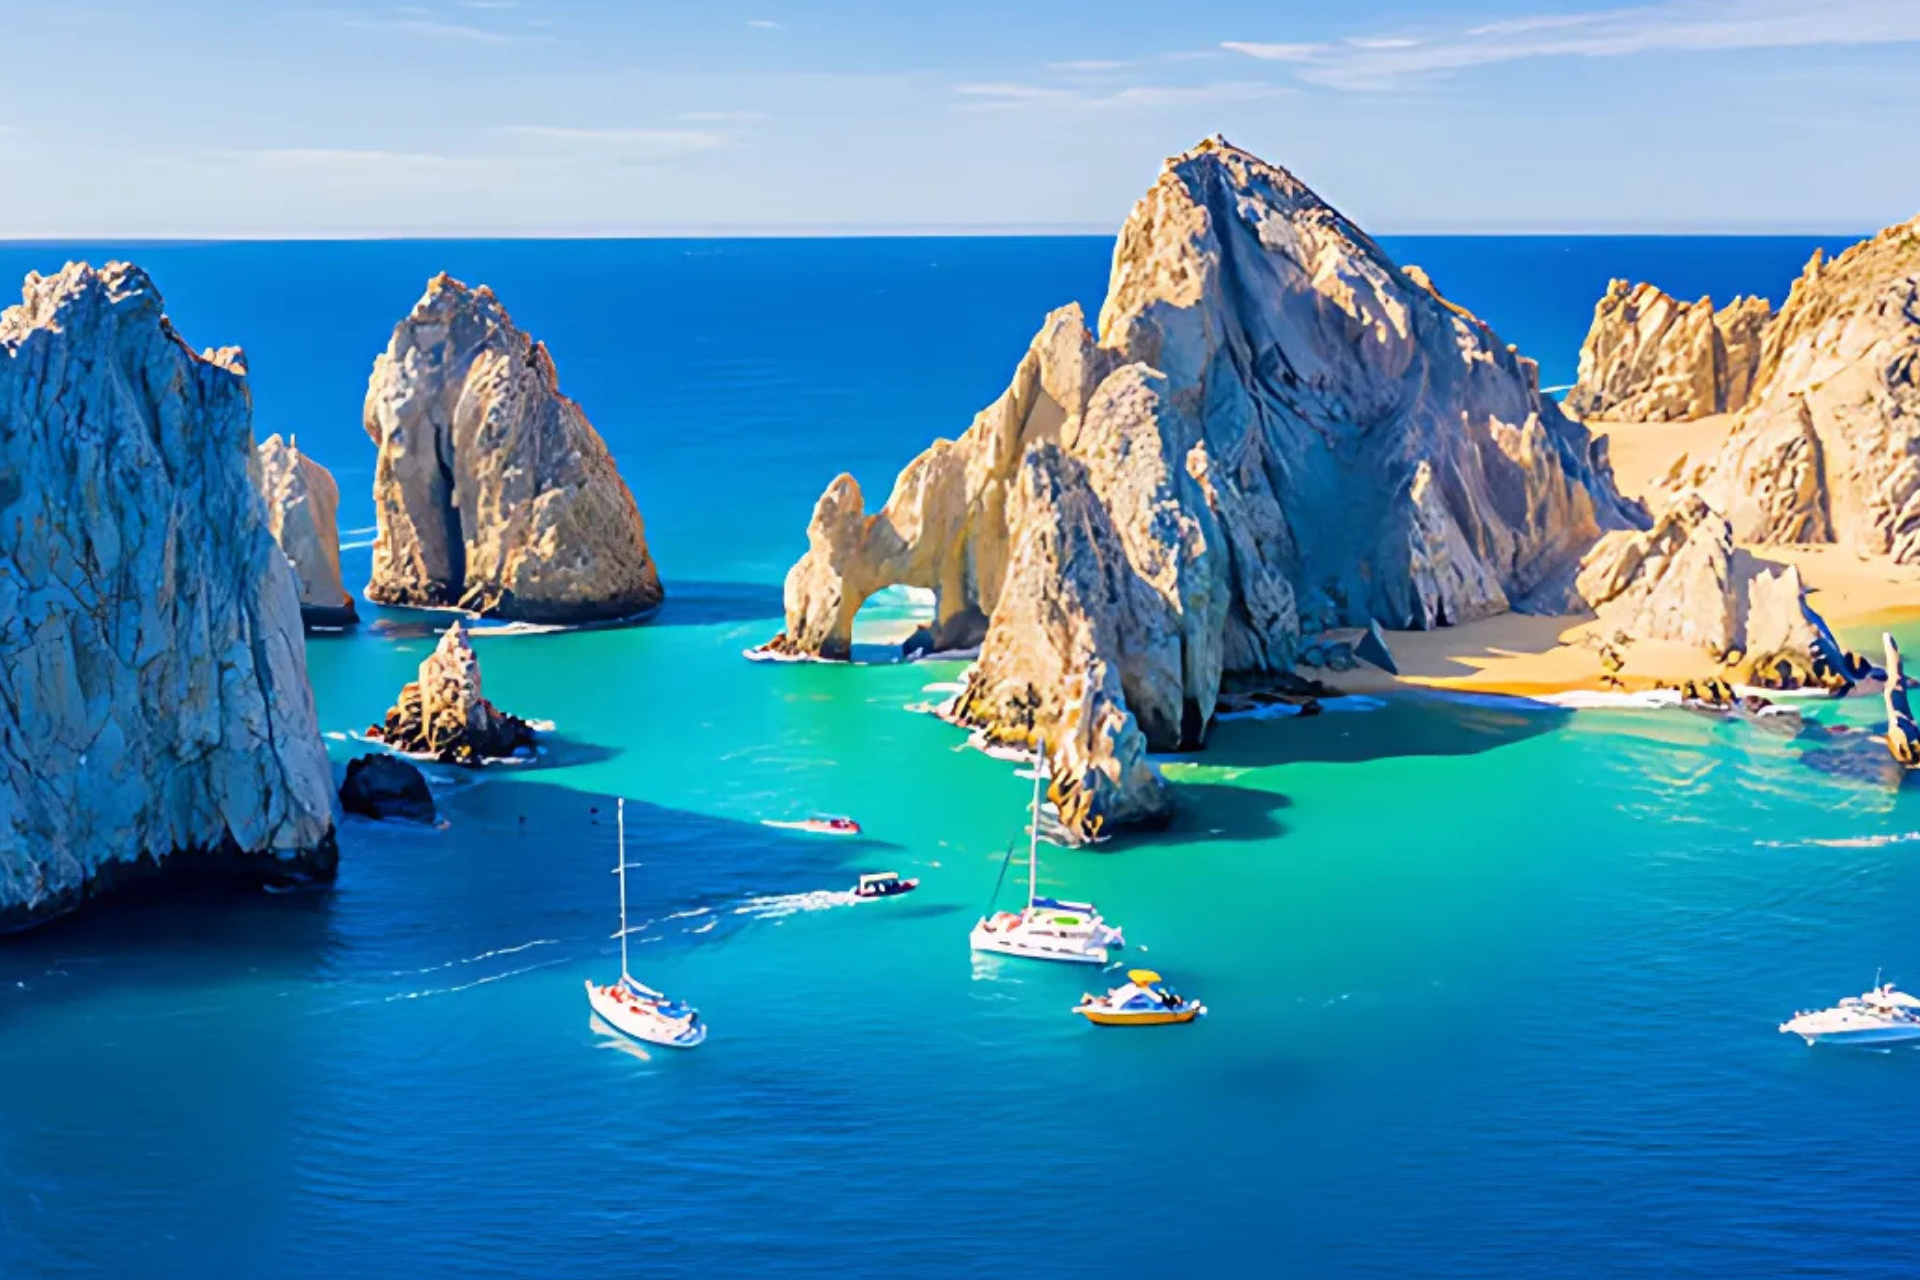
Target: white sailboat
{"type": "Point", "coordinates": [629, 1006]}
{"type": "Point", "coordinates": [1048, 929]}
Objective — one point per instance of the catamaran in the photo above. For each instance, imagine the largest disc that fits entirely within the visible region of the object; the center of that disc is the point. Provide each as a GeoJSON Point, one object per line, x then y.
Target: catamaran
{"type": "Point", "coordinates": [629, 1006]}
{"type": "Point", "coordinates": [1049, 929]}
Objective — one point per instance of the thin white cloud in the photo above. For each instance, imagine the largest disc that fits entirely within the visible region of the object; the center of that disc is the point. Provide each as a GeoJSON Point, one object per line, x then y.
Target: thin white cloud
{"type": "Point", "coordinates": [487, 4]}
{"type": "Point", "coordinates": [1005, 95]}
{"type": "Point", "coordinates": [1674, 26]}
{"type": "Point", "coordinates": [436, 29]}
{"type": "Point", "coordinates": [723, 117]}
{"type": "Point", "coordinates": [764, 24]}
{"type": "Point", "coordinates": [652, 144]}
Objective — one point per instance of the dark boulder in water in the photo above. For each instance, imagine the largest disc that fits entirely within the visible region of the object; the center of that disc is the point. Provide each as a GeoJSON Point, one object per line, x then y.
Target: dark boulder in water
{"type": "Point", "coordinates": [384, 786]}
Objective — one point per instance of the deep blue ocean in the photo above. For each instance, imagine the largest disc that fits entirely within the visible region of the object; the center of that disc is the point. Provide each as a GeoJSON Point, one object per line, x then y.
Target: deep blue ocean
{"type": "Point", "coordinates": [1494, 990]}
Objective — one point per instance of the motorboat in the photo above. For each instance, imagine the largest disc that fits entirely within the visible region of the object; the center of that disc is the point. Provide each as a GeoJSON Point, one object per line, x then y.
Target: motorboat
{"type": "Point", "coordinates": [823, 825]}
{"type": "Point", "coordinates": [629, 1006]}
{"type": "Point", "coordinates": [884, 884]}
{"type": "Point", "coordinates": [1882, 1016]}
{"type": "Point", "coordinates": [1145, 1000]}
{"type": "Point", "coordinates": [1047, 928]}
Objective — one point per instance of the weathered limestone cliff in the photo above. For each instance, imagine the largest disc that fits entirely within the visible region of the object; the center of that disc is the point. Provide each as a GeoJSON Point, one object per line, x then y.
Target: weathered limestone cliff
{"type": "Point", "coordinates": [493, 491]}
{"type": "Point", "coordinates": [1684, 580]}
{"type": "Point", "coordinates": [154, 707]}
{"type": "Point", "coordinates": [1650, 357]}
{"type": "Point", "coordinates": [1828, 447]}
{"type": "Point", "coordinates": [443, 713]}
{"type": "Point", "coordinates": [303, 506]}
{"type": "Point", "coordinates": [1276, 428]}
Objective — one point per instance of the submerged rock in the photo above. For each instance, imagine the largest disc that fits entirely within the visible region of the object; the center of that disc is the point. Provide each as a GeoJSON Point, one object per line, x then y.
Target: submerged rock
{"type": "Point", "coordinates": [154, 708]}
{"type": "Point", "coordinates": [384, 786]}
{"type": "Point", "coordinates": [444, 715]}
{"type": "Point", "coordinates": [303, 506]}
{"type": "Point", "coordinates": [1650, 357]}
{"type": "Point", "coordinates": [1276, 429]}
{"type": "Point", "coordinates": [1828, 447]}
{"type": "Point", "coordinates": [493, 491]}
{"type": "Point", "coordinates": [1686, 581]}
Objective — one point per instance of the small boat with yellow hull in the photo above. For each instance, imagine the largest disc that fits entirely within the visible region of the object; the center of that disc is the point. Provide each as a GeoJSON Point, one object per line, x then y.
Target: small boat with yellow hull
{"type": "Point", "coordinates": [1145, 1001]}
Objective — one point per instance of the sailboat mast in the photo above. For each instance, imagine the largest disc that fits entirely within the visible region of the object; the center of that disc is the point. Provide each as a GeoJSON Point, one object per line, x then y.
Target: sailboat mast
{"type": "Point", "coordinates": [1033, 850]}
{"type": "Point", "coordinates": [620, 812]}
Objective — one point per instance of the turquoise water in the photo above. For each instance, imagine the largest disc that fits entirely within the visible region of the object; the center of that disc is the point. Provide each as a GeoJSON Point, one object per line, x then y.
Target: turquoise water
{"type": "Point", "coordinates": [1495, 990]}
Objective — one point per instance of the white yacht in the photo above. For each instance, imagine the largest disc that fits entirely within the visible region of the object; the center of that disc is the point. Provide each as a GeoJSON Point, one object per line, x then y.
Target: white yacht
{"type": "Point", "coordinates": [629, 1006]}
{"type": "Point", "coordinates": [1882, 1016]}
{"type": "Point", "coordinates": [1048, 928]}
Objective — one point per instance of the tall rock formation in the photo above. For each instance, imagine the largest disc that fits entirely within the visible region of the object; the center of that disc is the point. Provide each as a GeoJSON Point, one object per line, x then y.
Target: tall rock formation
{"type": "Point", "coordinates": [444, 714]}
{"type": "Point", "coordinates": [493, 491]}
{"type": "Point", "coordinates": [1649, 357]}
{"type": "Point", "coordinates": [1275, 428]}
{"type": "Point", "coordinates": [1828, 447]}
{"type": "Point", "coordinates": [303, 514]}
{"type": "Point", "coordinates": [1903, 735]}
{"type": "Point", "coordinates": [1684, 580]}
{"type": "Point", "coordinates": [154, 706]}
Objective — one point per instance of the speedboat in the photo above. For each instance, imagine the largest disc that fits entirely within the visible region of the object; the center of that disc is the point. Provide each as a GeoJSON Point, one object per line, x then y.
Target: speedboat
{"type": "Point", "coordinates": [884, 884]}
{"type": "Point", "coordinates": [1047, 928]}
{"type": "Point", "coordinates": [629, 1006]}
{"type": "Point", "coordinates": [1881, 1016]}
{"type": "Point", "coordinates": [1144, 1001]}
{"type": "Point", "coordinates": [821, 825]}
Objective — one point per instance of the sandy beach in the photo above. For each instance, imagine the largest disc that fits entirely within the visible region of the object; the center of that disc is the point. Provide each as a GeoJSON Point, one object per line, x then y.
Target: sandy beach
{"type": "Point", "coordinates": [1533, 655]}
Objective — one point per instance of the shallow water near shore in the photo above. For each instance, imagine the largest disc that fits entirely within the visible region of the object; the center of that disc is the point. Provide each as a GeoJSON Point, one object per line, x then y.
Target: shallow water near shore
{"type": "Point", "coordinates": [1494, 986]}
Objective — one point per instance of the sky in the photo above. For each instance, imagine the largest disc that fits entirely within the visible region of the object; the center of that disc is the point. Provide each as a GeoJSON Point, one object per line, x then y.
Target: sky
{"type": "Point", "coordinates": [252, 118]}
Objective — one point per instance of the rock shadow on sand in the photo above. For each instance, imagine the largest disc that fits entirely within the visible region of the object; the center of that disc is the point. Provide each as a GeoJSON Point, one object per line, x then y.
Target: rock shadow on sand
{"type": "Point", "coordinates": [1381, 729]}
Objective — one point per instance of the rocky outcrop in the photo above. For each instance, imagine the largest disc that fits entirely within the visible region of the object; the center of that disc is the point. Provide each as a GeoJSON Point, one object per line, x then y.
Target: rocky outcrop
{"type": "Point", "coordinates": [1276, 428]}
{"type": "Point", "coordinates": [154, 708]}
{"type": "Point", "coordinates": [381, 787]}
{"type": "Point", "coordinates": [303, 506]}
{"type": "Point", "coordinates": [1828, 447]}
{"type": "Point", "coordinates": [493, 492]}
{"type": "Point", "coordinates": [1650, 357]}
{"type": "Point", "coordinates": [444, 715]}
{"type": "Point", "coordinates": [1903, 735]}
{"type": "Point", "coordinates": [1686, 581]}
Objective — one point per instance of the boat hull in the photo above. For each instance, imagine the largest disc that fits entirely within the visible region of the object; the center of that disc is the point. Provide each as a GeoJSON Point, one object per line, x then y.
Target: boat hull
{"type": "Point", "coordinates": [1012, 944]}
{"type": "Point", "coordinates": [629, 1021]}
{"type": "Point", "coordinates": [1860, 1037]}
{"type": "Point", "coordinates": [1142, 1018]}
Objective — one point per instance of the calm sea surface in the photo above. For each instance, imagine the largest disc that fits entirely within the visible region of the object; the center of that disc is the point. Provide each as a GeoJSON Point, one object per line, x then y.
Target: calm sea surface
{"type": "Point", "coordinates": [1495, 989]}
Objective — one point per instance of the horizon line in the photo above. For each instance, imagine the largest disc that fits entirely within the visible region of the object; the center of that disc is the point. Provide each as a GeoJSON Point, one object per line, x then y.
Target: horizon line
{"type": "Point", "coordinates": [929, 231]}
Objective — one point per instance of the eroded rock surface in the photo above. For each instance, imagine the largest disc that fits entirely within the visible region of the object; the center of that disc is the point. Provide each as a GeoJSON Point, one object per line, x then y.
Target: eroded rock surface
{"type": "Point", "coordinates": [1686, 581]}
{"type": "Point", "coordinates": [1828, 447]}
{"type": "Point", "coordinates": [1275, 428]}
{"type": "Point", "coordinates": [303, 514]}
{"type": "Point", "coordinates": [493, 491]}
{"type": "Point", "coordinates": [154, 707]}
{"type": "Point", "coordinates": [1903, 735]}
{"type": "Point", "coordinates": [443, 713]}
{"type": "Point", "coordinates": [1650, 357]}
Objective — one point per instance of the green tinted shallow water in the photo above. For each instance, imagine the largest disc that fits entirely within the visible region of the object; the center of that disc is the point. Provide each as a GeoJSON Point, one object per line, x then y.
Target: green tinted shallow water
{"type": "Point", "coordinates": [1494, 990]}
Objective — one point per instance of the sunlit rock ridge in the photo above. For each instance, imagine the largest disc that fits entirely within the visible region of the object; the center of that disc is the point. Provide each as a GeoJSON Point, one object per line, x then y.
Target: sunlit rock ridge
{"type": "Point", "coordinates": [1276, 430]}
{"type": "Point", "coordinates": [154, 706]}
{"type": "Point", "coordinates": [493, 491]}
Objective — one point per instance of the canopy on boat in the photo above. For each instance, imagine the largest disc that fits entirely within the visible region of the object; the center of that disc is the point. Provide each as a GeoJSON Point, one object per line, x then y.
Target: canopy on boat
{"type": "Point", "coordinates": [878, 877]}
{"type": "Point", "coordinates": [1143, 977]}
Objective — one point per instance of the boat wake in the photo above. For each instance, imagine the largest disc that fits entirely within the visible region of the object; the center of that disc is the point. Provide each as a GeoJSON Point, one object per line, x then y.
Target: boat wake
{"type": "Point", "coordinates": [780, 906]}
{"type": "Point", "coordinates": [1843, 842]}
{"type": "Point", "coordinates": [477, 982]}
{"type": "Point", "coordinates": [484, 955]}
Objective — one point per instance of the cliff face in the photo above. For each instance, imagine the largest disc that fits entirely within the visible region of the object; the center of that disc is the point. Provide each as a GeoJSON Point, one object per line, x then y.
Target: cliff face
{"type": "Point", "coordinates": [1649, 357]}
{"type": "Point", "coordinates": [1828, 447]}
{"type": "Point", "coordinates": [154, 706]}
{"type": "Point", "coordinates": [1280, 429]}
{"type": "Point", "coordinates": [493, 491]}
{"type": "Point", "coordinates": [303, 506]}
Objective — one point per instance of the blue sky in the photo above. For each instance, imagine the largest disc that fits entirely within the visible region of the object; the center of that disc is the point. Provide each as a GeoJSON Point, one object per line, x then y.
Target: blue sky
{"type": "Point", "coordinates": [526, 117]}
